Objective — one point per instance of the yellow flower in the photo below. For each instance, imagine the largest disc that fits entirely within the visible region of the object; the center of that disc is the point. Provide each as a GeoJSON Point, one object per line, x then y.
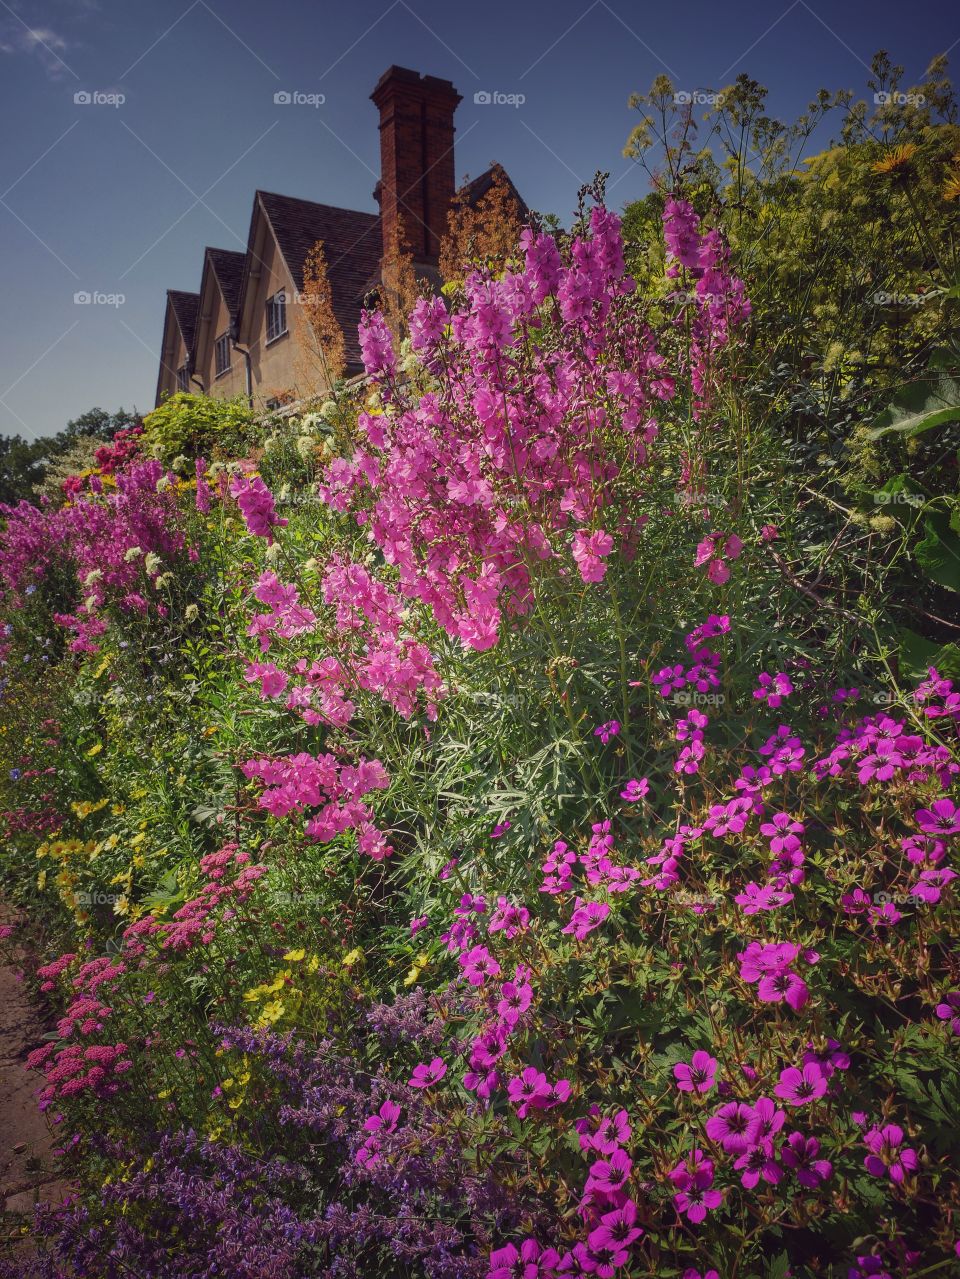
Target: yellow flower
{"type": "Point", "coordinates": [412, 976]}
{"type": "Point", "coordinates": [95, 750]}
{"type": "Point", "coordinates": [896, 158]}
{"type": "Point", "coordinates": [294, 956]}
{"type": "Point", "coordinates": [951, 188]}
{"type": "Point", "coordinates": [352, 958]}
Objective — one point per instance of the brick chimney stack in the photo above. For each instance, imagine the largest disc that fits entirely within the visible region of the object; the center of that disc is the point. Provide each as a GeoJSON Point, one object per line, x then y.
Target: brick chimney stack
{"type": "Point", "coordinates": [417, 177]}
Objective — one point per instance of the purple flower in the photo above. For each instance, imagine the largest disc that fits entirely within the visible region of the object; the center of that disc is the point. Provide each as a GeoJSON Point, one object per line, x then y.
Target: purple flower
{"type": "Point", "coordinates": [635, 790]}
{"type": "Point", "coordinates": [478, 964]}
{"type": "Point", "coordinates": [426, 1075]}
{"type": "Point", "coordinates": [949, 1010]}
{"type": "Point", "coordinates": [797, 1087]}
{"type": "Point", "coordinates": [586, 917]}
{"type": "Point", "coordinates": [699, 1075]}
{"type": "Point", "coordinates": [800, 1154]}
{"type": "Point", "coordinates": [888, 1155]}
{"type": "Point", "coordinates": [606, 731]}
{"type": "Point", "coordinates": [941, 818]}
{"type": "Point", "coordinates": [610, 1241]}
{"type": "Point", "coordinates": [730, 1125]}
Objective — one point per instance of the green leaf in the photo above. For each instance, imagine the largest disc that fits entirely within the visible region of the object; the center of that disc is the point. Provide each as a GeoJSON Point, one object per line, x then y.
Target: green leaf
{"type": "Point", "coordinates": [778, 1267]}
{"type": "Point", "coordinates": [939, 552]}
{"type": "Point", "coordinates": [931, 401]}
{"type": "Point", "coordinates": [917, 653]}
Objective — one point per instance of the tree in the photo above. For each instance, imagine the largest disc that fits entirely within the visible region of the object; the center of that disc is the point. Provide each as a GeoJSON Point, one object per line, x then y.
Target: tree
{"type": "Point", "coordinates": [22, 465]}
{"type": "Point", "coordinates": [483, 232]}
{"type": "Point", "coordinates": [321, 357]}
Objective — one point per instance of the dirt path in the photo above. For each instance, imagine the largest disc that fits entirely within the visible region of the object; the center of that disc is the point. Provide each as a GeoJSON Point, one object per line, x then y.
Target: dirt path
{"type": "Point", "coordinates": [26, 1158]}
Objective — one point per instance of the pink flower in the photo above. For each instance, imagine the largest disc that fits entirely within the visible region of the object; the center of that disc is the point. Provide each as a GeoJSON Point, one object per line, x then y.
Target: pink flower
{"type": "Point", "coordinates": [256, 506]}
{"type": "Point", "coordinates": [730, 1126]}
{"type": "Point", "coordinates": [478, 964]}
{"type": "Point", "coordinates": [800, 1155]}
{"type": "Point", "coordinates": [589, 552]}
{"type": "Point", "coordinates": [797, 1087]}
{"type": "Point", "coordinates": [699, 1075]}
{"type": "Point", "coordinates": [635, 790]}
{"type": "Point", "coordinates": [425, 1075]}
{"type": "Point", "coordinates": [769, 533]}
{"type": "Point", "coordinates": [941, 818]}
{"type": "Point", "coordinates": [606, 731]}
{"type": "Point", "coordinates": [888, 1155]}
{"type": "Point", "coordinates": [586, 917]}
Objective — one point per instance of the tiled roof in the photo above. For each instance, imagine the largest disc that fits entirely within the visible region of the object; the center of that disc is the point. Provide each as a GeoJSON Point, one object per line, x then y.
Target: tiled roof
{"type": "Point", "coordinates": [185, 308]}
{"type": "Point", "coordinates": [228, 269]}
{"type": "Point", "coordinates": [352, 246]}
{"type": "Point", "coordinates": [478, 188]}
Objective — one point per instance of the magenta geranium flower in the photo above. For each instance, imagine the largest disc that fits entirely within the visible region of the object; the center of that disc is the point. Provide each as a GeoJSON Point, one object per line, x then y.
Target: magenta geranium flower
{"type": "Point", "coordinates": [585, 918]}
{"type": "Point", "coordinates": [635, 790]}
{"type": "Point", "coordinates": [609, 1176]}
{"type": "Point", "coordinates": [949, 1010]}
{"type": "Point", "coordinates": [785, 986]}
{"type": "Point", "coordinates": [730, 1126]}
{"type": "Point", "coordinates": [610, 1241]}
{"type": "Point", "coordinates": [529, 1262]}
{"type": "Point", "coordinates": [766, 1121]}
{"type": "Point", "coordinates": [606, 731]}
{"type": "Point", "coordinates": [801, 1155]}
{"type": "Point", "coordinates": [478, 964]}
{"type": "Point", "coordinates": [515, 999]}
{"type": "Point", "coordinates": [888, 1155]}
{"type": "Point", "coordinates": [797, 1087]}
{"type": "Point", "coordinates": [941, 818]}
{"type": "Point", "coordinates": [696, 1195]}
{"type": "Point", "coordinates": [426, 1074]}
{"type": "Point", "coordinates": [697, 1076]}
{"type": "Point", "coordinates": [759, 1162]}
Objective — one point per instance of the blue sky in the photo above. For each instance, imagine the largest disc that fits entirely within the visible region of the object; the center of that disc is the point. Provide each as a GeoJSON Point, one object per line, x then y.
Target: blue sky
{"type": "Point", "coordinates": [119, 200]}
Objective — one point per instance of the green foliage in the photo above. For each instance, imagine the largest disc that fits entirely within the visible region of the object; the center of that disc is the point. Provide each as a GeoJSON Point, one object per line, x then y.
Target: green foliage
{"type": "Point", "coordinates": [188, 426]}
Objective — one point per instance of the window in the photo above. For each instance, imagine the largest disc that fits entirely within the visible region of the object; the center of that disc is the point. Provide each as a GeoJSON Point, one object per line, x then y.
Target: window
{"type": "Point", "coordinates": [276, 316]}
{"type": "Point", "coordinates": [222, 354]}
{"type": "Point", "coordinates": [183, 377]}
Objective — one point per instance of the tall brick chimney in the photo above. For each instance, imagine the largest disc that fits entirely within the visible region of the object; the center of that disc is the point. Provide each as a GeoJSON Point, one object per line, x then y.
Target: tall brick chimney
{"type": "Point", "coordinates": [417, 177]}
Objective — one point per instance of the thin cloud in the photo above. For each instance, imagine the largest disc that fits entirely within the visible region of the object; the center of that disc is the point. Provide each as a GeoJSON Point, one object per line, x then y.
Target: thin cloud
{"type": "Point", "coordinates": [42, 43]}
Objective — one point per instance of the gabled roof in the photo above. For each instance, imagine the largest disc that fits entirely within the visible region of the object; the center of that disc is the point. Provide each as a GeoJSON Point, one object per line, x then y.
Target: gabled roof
{"type": "Point", "coordinates": [181, 310]}
{"type": "Point", "coordinates": [227, 266]}
{"type": "Point", "coordinates": [478, 188]}
{"type": "Point", "coordinates": [352, 246]}
{"type": "Point", "coordinates": [185, 307]}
